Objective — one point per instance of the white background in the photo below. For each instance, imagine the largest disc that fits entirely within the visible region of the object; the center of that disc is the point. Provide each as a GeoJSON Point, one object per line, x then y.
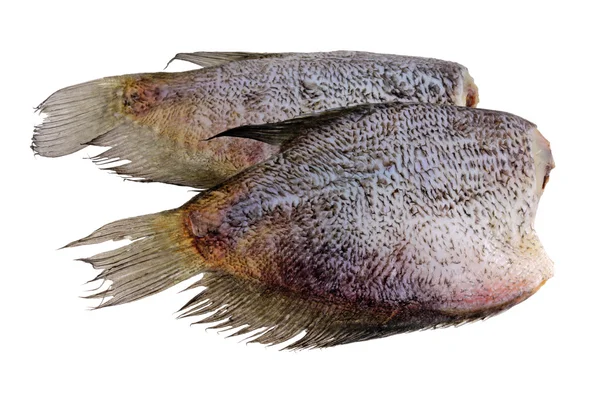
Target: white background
{"type": "Point", "coordinates": [537, 61]}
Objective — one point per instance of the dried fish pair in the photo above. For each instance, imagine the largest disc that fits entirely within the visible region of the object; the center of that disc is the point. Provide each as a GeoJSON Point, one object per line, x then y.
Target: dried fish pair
{"type": "Point", "coordinates": [389, 210]}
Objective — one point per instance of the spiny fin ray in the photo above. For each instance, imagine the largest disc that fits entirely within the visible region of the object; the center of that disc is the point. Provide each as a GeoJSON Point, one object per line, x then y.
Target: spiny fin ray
{"type": "Point", "coordinates": [160, 255]}
{"type": "Point", "coordinates": [280, 133]}
{"type": "Point", "coordinates": [74, 116]}
{"type": "Point", "coordinates": [208, 59]}
{"type": "Point", "coordinates": [274, 316]}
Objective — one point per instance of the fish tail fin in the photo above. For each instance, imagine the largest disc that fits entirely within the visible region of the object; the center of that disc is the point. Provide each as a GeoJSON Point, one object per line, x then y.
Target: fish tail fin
{"type": "Point", "coordinates": [146, 140]}
{"type": "Point", "coordinates": [161, 255]}
{"type": "Point", "coordinates": [76, 115]}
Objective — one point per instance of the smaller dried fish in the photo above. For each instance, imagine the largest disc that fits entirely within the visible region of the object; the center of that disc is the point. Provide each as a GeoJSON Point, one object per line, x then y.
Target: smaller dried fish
{"type": "Point", "coordinates": [160, 121]}
{"type": "Point", "coordinates": [371, 221]}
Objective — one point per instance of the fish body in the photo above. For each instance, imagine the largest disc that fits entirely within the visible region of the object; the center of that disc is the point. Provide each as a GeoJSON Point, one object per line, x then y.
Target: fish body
{"type": "Point", "coordinates": [159, 122]}
{"type": "Point", "coordinates": [369, 221]}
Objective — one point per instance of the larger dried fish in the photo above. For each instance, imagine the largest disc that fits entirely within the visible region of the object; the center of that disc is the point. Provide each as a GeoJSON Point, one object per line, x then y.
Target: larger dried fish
{"type": "Point", "coordinates": [370, 221]}
{"type": "Point", "coordinates": [159, 121]}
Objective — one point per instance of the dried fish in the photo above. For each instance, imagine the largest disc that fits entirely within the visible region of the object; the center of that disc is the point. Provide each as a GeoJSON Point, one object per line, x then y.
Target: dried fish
{"type": "Point", "coordinates": [159, 122]}
{"type": "Point", "coordinates": [370, 221]}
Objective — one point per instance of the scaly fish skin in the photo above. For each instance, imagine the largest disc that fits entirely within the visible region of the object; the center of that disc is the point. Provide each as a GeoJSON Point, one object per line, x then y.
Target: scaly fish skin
{"type": "Point", "coordinates": [384, 206]}
{"type": "Point", "coordinates": [160, 121]}
{"type": "Point", "coordinates": [370, 221]}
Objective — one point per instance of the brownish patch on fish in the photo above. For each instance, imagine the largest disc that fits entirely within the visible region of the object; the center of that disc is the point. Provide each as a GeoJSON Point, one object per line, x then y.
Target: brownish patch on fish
{"type": "Point", "coordinates": [141, 95]}
{"type": "Point", "coordinates": [472, 96]}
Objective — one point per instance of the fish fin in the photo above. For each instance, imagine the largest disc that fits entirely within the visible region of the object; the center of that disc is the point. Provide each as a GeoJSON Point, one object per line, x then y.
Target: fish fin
{"type": "Point", "coordinates": [160, 255]}
{"type": "Point", "coordinates": [272, 316]}
{"type": "Point", "coordinates": [74, 116]}
{"type": "Point", "coordinates": [273, 134]}
{"type": "Point", "coordinates": [96, 113]}
{"type": "Point", "coordinates": [150, 157]}
{"type": "Point", "coordinates": [280, 133]}
{"type": "Point", "coordinates": [208, 59]}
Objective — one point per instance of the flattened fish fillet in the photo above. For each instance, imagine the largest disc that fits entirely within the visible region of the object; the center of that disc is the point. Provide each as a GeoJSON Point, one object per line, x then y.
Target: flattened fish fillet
{"type": "Point", "coordinates": [370, 221]}
{"type": "Point", "coordinates": [160, 121]}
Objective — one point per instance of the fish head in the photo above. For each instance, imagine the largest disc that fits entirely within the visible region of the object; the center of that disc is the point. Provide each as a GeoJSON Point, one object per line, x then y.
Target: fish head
{"type": "Point", "coordinates": [469, 95]}
{"type": "Point", "coordinates": [542, 160]}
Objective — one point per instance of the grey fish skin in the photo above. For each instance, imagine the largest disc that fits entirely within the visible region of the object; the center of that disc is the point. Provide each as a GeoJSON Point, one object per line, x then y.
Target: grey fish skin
{"type": "Point", "coordinates": [371, 221]}
{"type": "Point", "coordinates": [160, 121]}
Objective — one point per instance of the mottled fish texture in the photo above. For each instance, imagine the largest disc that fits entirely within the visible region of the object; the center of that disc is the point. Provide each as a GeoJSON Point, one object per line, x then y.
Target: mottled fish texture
{"type": "Point", "coordinates": [160, 121]}
{"type": "Point", "coordinates": [370, 221]}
